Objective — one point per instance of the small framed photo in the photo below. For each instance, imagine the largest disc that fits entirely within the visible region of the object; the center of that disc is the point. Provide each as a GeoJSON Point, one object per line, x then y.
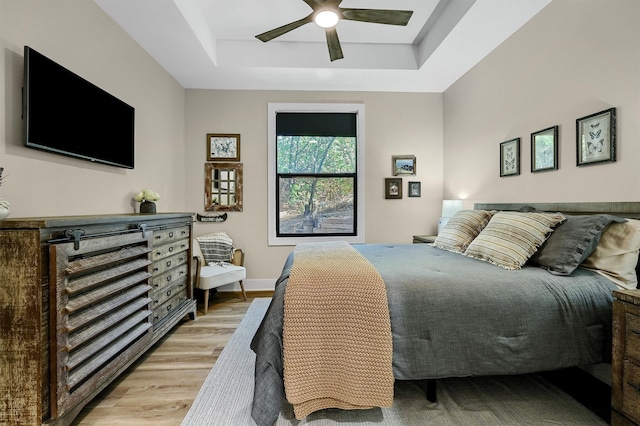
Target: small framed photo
{"type": "Point", "coordinates": [414, 189]}
{"type": "Point", "coordinates": [544, 150]}
{"type": "Point", "coordinates": [223, 147]}
{"type": "Point", "coordinates": [510, 157]}
{"type": "Point", "coordinates": [596, 137]}
{"type": "Point", "coordinates": [403, 165]}
{"type": "Point", "coordinates": [392, 188]}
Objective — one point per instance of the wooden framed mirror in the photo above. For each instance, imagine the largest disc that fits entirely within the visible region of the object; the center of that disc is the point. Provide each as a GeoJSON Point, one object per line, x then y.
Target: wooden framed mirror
{"type": "Point", "coordinates": [223, 187]}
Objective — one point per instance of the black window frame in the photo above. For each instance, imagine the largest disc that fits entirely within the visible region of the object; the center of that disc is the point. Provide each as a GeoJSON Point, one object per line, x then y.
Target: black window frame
{"type": "Point", "coordinates": [359, 232]}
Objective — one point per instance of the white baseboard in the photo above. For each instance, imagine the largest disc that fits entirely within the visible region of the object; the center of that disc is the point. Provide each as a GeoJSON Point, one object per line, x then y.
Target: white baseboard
{"type": "Point", "coordinates": [250, 285]}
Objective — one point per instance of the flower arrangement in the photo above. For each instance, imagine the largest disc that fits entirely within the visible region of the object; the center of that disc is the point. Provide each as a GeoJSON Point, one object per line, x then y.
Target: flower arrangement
{"type": "Point", "coordinates": [146, 195]}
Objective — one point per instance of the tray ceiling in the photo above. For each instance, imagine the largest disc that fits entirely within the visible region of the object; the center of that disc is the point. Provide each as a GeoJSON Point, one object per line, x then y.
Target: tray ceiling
{"type": "Point", "coordinates": [211, 44]}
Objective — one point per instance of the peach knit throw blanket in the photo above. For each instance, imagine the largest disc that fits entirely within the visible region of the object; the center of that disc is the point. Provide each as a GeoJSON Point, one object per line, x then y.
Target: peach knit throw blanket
{"type": "Point", "coordinates": [337, 333]}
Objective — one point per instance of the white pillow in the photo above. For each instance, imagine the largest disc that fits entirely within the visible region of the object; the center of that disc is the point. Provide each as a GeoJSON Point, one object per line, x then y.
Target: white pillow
{"type": "Point", "coordinates": [616, 256]}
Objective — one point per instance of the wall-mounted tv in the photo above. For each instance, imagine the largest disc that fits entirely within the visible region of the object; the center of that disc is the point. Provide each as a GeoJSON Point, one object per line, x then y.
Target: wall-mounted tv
{"type": "Point", "coordinates": [65, 114]}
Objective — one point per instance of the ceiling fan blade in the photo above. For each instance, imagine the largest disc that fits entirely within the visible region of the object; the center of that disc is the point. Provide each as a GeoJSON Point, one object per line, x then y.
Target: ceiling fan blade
{"type": "Point", "coordinates": [313, 4]}
{"type": "Point", "coordinates": [378, 16]}
{"type": "Point", "coordinates": [277, 32]}
{"type": "Point", "coordinates": [335, 51]}
{"type": "Point", "coordinates": [316, 4]}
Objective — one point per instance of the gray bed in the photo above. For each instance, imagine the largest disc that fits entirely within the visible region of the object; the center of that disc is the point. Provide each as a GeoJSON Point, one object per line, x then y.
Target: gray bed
{"type": "Point", "coordinates": [454, 316]}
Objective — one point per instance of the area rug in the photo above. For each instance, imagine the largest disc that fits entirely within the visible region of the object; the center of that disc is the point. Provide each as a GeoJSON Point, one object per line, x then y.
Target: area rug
{"type": "Point", "coordinates": [225, 397]}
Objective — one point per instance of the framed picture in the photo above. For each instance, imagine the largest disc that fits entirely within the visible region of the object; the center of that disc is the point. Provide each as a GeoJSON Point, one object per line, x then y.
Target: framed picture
{"type": "Point", "coordinates": [510, 157]}
{"type": "Point", "coordinates": [544, 150]}
{"type": "Point", "coordinates": [414, 189]}
{"type": "Point", "coordinates": [223, 147]}
{"type": "Point", "coordinates": [596, 137]}
{"type": "Point", "coordinates": [392, 188]}
{"type": "Point", "coordinates": [403, 165]}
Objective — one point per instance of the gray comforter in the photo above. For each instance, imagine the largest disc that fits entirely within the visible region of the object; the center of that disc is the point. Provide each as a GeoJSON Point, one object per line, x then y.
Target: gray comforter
{"type": "Point", "coordinates": [453, 316]}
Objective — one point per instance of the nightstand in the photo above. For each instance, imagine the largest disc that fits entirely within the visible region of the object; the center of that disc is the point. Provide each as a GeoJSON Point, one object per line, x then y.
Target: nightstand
{"type": "Point", "coordinates": [625, 364]}
{"type": "Point", "coordinates": [418, 239]}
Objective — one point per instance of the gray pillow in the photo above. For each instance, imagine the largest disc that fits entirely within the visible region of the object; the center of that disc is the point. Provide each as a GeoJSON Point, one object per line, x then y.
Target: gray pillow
{"type": "Point", "coordinates": [572, 242]}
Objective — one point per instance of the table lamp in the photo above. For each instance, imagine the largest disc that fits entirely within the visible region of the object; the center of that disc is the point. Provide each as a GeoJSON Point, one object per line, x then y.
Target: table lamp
{"type": "Point", "coordinates": [449, 208]}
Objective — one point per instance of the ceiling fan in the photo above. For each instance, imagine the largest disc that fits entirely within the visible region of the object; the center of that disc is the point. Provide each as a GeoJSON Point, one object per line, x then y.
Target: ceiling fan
{"type": "Point", "coordinates": [327, 13]}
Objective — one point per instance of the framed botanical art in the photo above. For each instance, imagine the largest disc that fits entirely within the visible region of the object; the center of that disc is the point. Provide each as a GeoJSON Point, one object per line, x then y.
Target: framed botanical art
{"type": "Point", "coordinates": [393, 188]}
{"type": "Point", "coordinates": [414, 189]}
{"type": "Point", "coordinates": [403, 165]}
{"type": "Point", "coordinates": [544, 149]}
{"type": "Point", "coordinates": [221, 147]}
{"type": "Point", "coordinates": [596, 137]}
{"type": "Point", "coordinates": [510, 157]}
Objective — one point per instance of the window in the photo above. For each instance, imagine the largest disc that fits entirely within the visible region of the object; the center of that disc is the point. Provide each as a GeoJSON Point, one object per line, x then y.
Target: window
{"type": "Point", "coordinates": [315, 160]}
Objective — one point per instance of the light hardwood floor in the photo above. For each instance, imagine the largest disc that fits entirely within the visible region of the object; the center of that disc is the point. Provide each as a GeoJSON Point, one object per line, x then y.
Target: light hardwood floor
{"type": "Point", "coordinates": [161, 386]}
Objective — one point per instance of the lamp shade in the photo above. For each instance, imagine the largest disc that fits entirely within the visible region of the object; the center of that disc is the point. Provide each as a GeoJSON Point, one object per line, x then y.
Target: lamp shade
{"type": "Point", "coordinates": [450, 207]}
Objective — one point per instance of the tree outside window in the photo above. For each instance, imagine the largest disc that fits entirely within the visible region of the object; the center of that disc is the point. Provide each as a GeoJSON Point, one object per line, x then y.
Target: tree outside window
{"type": "Point", "coordinates": [316, 177]}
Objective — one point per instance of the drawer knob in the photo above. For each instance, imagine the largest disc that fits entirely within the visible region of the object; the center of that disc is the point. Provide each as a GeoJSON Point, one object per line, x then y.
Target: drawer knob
{"type": "Point", "coordinates": [169, 263]}
{"type": "Point", "coordinates": [168, 307]}
{"type": "Point", "coordinates": [168, 292]}
{"type": "Point", "coordinates": [170, 249]}
{"type": "Point", "coordinates": [169, 278]}
{"type": "Point", "coordinates": [170, 234]}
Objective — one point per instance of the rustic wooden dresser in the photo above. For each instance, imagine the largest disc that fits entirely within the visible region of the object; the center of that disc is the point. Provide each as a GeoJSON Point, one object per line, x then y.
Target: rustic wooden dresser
{"type": "Point", "coordinates": [81, 298]}
{"type": "Point", "coordinates": [625, 365]}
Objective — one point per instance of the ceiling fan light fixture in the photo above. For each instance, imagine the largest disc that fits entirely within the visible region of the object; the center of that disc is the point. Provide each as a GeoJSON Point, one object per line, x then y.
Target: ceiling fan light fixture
{"type": "Point", "coordinates": [326, 19]}
{"type": "Point", "coordinates": [327, 13]}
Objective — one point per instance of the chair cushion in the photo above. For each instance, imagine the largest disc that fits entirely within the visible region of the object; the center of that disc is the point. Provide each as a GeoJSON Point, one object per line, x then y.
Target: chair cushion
{"type": "Point", "coordinates": [213, 275]}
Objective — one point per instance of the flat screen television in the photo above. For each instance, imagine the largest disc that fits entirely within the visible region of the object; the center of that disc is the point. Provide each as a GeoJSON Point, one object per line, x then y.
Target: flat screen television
{"type": "Point", "coordinates": [65, 114]}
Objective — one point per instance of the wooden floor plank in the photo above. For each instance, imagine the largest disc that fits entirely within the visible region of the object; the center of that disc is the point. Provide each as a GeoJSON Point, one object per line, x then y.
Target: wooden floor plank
{"type": "Point", "coordinates": [161, 386]}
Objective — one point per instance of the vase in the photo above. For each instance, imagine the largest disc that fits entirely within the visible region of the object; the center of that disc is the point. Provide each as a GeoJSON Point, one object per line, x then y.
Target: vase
{"type": "Point", "coordinates": [5, 208]}
{"type": "Point", "coordinates": [147, 207]}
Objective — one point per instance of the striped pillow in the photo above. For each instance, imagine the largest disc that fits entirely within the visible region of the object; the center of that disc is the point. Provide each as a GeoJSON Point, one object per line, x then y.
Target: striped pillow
{"type": "Point", "coordinates": [216, 247]}
{"type": "Point", "coordinates": [511, 238]}
{"type": "Point", "coordinates": [461, 229]}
